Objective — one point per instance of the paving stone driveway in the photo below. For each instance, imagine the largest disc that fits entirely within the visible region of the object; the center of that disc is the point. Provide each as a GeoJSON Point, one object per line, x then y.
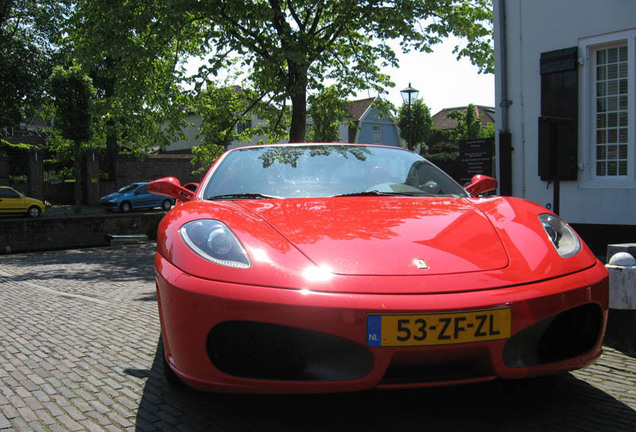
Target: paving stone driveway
{"type": "Point", "coordinates": [78, 351]}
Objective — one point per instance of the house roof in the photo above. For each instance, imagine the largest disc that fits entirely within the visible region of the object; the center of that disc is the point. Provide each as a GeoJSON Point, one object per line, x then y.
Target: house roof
{"type": "Point", "coordinates": [358, 108]}
{"type": "Point", "coordinates": [442, 121]}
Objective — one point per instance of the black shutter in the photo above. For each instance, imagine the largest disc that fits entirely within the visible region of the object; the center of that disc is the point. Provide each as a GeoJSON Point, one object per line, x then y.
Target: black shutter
{"type": "Point", "coordinates": [558, 123]}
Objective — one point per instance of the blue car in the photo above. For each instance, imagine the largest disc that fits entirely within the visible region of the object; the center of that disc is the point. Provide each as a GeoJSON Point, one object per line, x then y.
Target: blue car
{"type": "Point", "coordinates": [134, 196]}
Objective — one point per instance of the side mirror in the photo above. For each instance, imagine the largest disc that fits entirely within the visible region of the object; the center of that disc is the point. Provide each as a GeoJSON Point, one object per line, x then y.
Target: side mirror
{"type": "Point", "coordinates": [480, 184]}
{"type": "Point", "coordinates": [170, 187]}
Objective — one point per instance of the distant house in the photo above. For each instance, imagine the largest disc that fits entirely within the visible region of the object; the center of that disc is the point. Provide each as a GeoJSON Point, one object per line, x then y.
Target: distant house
{"type": "Point", "coordinates": [368, 128]}
{"type": "Point", "coordinates": [442, 121]}
{"type": "Point", "coordinates": [193, 138]}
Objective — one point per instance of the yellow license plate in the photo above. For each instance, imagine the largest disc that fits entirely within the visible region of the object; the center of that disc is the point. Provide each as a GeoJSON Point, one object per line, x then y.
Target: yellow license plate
{"type": "Point", "coordinates": [438, 329]}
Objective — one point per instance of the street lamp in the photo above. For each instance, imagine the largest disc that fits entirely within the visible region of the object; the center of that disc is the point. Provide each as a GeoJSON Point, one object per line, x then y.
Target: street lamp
{"type": "Point", "coordinates": [409, 95]}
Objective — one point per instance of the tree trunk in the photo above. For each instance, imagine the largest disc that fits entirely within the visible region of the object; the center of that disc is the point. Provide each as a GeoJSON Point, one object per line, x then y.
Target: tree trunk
{"type": "Point", "coordinates": [298, 93]}
{"type": "Point", "coordinates": [111, 124]}
{"type": "Point", "coordinates": [77, 167]}
{"type": "Point", "coordinates": [111, 149]}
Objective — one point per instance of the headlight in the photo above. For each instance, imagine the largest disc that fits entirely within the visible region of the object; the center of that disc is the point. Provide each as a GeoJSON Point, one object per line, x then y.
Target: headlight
{"type": "Point", "coordinates": [215, 242]}
{"type": "Point", "coordinates": [563, 237]}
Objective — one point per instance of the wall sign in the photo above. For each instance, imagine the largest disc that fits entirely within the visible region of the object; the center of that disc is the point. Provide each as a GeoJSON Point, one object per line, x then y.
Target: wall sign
{"type": "Point", "coordinates": [476, 156]}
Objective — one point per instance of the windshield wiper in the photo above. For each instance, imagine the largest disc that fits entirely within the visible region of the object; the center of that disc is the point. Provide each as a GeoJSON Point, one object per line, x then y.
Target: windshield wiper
{"type": "Point", "coordinates": [378, 193]}
{"type": "Point", "coordinates": [241, 196]}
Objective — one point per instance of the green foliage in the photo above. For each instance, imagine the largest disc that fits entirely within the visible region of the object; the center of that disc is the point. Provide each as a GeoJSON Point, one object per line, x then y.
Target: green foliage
{"type": "Point", "coordinates": [135, 51]}
{"type": "Point", "coordinates": [293, 48]}
{"type": "Point", "coordinates": [217, 108]}
{"type": "Point", "coordinates": [229, 114]}
{"type": "Point", "coordinates": [18, 154]}
{"type": "Point", "coordinates": [7, 146]}
{"type": "Point", "coordinates": [62, 150]}
{"type": "Point", "coordinates": [445, 152]}
{"type": "Point", "coordinates": [132, 50]}
{"type": "Point", "coordinates": [415, 124]}
{"type": "Point", "coordinates": [327, 111]}
{"type": "Point", "coordinates": [73, 92]}
{"type": "Point", "coordinates": [443, 147]}
{"type": "Point", "coordinates": [488, 132]}
{"type": "Point", "coordinates": [29, 36]}
{"type": "Point", "coordinates": [469, 126]}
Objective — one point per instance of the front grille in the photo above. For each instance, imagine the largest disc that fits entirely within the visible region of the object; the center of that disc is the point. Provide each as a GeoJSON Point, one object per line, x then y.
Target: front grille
{"type": "Point", "coordinates": [566, 335]}
{"type": "Point", "coordinates": [269, 351]}
{"type": "Point", "coordinates": [433, 366]}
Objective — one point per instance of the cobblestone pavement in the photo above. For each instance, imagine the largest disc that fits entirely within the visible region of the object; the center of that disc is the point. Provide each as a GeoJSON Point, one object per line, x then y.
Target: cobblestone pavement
{"type": "Point", "coordinates": [78, 351]}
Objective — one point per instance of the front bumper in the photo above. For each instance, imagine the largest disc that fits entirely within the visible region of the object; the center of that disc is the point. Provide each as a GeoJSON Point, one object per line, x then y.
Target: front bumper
{"type": "Point", "coordinates": [240, 338]}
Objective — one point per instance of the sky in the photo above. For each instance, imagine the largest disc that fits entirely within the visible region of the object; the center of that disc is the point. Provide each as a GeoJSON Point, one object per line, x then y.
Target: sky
{"type": "Point", "coordinates": [443, 81]}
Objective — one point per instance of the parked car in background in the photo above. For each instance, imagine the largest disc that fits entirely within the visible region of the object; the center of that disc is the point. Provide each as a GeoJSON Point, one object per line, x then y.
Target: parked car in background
{"type": "Point", "coordinates": [133, 197]}
{"type": "Point", "coordinates": [12, 201]}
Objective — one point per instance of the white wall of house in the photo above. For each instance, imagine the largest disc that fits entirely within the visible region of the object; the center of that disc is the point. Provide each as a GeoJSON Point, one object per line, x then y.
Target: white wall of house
{"type": "Point", "coordinates": [193, 138]}
{"type": "Point", "coordinates": [191, 133]}
{"type": "Point", "coordinates": [538, 26]}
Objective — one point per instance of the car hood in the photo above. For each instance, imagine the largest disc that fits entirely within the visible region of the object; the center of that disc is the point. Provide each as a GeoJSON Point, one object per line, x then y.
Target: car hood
{"type": "Point", "coordinates": [388, 236]}
{"type": "Point", "coordinates": [110, 196]}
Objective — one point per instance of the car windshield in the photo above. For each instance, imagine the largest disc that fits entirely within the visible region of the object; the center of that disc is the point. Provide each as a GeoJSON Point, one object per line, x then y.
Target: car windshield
{"type": "Point", "coordinates": [304, 171]}
{"type": "Point", "coordinates": [128, 188]}
{"type": "Point", "coordinates": [9, 193]}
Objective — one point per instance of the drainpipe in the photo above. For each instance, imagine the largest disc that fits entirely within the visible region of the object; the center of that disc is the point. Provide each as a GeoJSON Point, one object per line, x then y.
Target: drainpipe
{"type": "Point", "coordinates": [503, 47]}
{"type": "Point", "coordinates": [505, 137]}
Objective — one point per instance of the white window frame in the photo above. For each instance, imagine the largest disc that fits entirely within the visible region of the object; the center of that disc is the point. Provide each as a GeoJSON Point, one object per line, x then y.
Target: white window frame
{"type": "Point", "coordinates": [587, 111]}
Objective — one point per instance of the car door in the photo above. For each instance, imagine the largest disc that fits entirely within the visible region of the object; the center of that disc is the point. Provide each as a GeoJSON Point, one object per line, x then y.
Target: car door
{"type": "Point", "coordinates": [143, 198]}
{"type": "Point", "coordinates": [11, 201]}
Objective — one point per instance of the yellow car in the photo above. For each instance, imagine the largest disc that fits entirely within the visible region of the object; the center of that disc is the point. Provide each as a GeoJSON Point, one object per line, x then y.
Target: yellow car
{"type": "Point", "coordinates": [12, 201]}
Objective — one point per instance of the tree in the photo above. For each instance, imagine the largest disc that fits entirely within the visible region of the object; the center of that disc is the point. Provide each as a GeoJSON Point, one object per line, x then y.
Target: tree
{"type": "Point", "coordinates": [415, 123]}
{"type": "Point", "coordinates": [327, 112]}
{"type": "Point", "coordinates": [468, 125]}
{"type": "Point", "coordinates": [29, 35]}
{"type": "Point", "coordinates": [291, 48]}
{"type": "Point", "coordinates": [73, 92]}
{"type": "Point", "coordinates": [221, 110]}
{"type": "Point", "coordinates": [445, 152]}
{"type": "Point", "coordinates": [230, 113]}
{"type": "Point", "coordinates": [133, 50]}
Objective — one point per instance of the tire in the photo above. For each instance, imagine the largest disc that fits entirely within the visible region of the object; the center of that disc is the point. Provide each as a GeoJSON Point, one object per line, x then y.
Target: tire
{"type": "Point", "coordinates": [166, 205]}
{"type": "Point", "coordinates": [34, 211]}
{"type": "Point", "coordinates": [125, 207]}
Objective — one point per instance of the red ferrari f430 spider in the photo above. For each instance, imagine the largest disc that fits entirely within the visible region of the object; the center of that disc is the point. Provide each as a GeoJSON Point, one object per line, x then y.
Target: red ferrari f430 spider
{"type": "Point", "coordinates": [301, 268]}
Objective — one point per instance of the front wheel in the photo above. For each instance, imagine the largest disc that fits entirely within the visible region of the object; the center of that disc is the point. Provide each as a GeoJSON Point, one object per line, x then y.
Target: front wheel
{"type": "Point", "coordinates": [125, 207]}
{"type": "Point", "coordinates": [166, 204]}
{"type": "Point", "coordinates": [34, 211]}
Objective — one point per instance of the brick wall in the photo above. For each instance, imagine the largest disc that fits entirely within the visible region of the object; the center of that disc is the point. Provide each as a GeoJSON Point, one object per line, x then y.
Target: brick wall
{"type": "Point", "coordinates": [155, 166]}
{"type": "Point", "coordinates": [4, 171]}
{"type": "Point", "coordinates": [128, 170]}
{"type": "Point", "coordinates": [23, 234]}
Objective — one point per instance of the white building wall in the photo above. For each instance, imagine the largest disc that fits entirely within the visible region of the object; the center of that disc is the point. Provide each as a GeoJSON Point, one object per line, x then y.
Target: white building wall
{"type": "Point", "coordinates": [537, 26]}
